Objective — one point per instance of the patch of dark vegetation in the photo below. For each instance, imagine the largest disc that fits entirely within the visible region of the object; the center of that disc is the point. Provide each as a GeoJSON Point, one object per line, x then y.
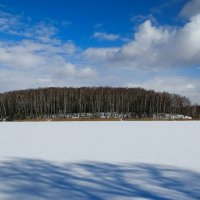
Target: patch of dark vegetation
{"type": "Point", "coordinates": [94, 103]}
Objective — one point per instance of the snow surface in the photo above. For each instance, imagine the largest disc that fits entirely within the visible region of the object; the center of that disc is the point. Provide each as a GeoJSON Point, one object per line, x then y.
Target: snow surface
{"type": "Point", "coordinates": [100, 160]}
{"type": "Point", "coordinates": [171, 143]}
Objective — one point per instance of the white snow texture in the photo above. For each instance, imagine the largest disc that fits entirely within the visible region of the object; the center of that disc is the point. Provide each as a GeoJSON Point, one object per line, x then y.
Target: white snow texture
{"type": "Point", "coordinates": [100, 160]}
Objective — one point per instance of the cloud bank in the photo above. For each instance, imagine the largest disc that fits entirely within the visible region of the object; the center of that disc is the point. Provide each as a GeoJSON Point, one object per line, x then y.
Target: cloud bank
{"type": "Point", "coordinates": [38, 57]}
{"type": "Point", "coordinates": [154, 48]}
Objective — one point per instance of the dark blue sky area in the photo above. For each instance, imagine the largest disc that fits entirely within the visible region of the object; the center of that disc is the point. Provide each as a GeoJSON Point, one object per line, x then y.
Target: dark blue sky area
{"type": "Point", "coordinates": [78, 19]}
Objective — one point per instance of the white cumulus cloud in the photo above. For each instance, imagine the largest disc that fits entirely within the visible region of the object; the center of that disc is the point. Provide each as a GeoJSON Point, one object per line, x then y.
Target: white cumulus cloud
{"type": "Point", "coordinates": [191, 8]}
{"type": "Point", "coordinates": [154, 47]}
{"type": "Point", "coordinates": [70, 71]}
{"type": "Point", "coordinates": [36, 57]}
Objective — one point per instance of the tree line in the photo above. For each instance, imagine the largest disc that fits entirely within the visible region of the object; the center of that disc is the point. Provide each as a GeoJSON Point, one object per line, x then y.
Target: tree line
{"type": "Point", "coordinates": [93, 102]}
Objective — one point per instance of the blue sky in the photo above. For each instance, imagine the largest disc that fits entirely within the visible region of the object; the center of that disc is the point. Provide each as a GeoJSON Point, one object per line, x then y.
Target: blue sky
{"type": "Point", "coordinates": [152, 44]}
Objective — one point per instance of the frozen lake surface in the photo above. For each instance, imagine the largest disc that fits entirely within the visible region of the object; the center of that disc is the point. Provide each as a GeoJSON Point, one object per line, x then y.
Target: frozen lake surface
{"type": "Point", "coordinates": [100, 160]}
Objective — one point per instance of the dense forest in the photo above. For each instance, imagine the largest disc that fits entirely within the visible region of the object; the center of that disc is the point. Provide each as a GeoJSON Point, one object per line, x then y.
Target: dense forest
{"type": "Point", "coordinates": [93, 102]}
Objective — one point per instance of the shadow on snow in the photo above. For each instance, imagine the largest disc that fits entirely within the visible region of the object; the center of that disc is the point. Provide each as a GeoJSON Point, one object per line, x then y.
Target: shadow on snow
{"type": "Point", "coordinates": [37, 179]}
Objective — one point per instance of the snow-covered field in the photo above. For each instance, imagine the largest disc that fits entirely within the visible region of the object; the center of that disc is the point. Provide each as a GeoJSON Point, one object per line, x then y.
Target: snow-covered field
{"type": "Point", "coordinates": [100, 160]}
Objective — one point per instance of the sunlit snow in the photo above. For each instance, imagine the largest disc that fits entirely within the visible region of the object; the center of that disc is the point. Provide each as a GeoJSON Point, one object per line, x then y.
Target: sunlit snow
{"type": "Point", "coordinates": [100, 160]}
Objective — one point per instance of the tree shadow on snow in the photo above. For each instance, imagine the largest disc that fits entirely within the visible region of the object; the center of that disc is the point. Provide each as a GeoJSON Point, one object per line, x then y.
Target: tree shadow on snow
{"type": "Point", "coordinates": [37, 179]}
